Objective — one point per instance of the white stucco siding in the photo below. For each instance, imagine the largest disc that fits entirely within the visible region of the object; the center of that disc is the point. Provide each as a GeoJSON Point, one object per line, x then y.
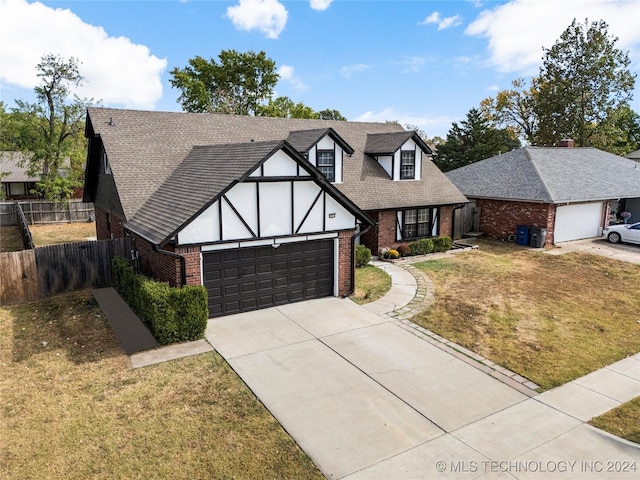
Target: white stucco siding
{"type": "Point", "coordinates": [304, 195]}
{"type": "Point", "coordinates": [204, 228]}
{"type": "Point", "coordinates": [232, 226]}
{"type": "Point", "coordinates": [244, 198]}
{"type": "Point", "coordinates": [281, 165]}
{"type": "Point", "coordinates": [386, 162]}
{"type": "Point", "coordinates": [275, 209]}
{"type": "Point", "coordinates": [338, 218]}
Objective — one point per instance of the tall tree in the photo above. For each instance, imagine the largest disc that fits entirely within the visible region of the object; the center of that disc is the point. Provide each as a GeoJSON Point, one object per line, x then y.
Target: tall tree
{"type": "Point", "coordinates": [284, 107]}
{"type": "Point", "coordinates": [330, 114]}
{"type": "Point", "coordinates": [50, 130]}
{"type": "Point", "coordinates": [619, 133]}
{"type": "Point", "coordinates": [473, 140]}
{"type": "Point", "coordinates": [238, 83]}
{"type": "Point", "coordinates": [515, 108]}
{"type": "Point", "coordinates": [584, 77]}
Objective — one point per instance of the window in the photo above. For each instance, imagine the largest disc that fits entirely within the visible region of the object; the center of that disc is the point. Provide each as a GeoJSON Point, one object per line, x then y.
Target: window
{"type": "Point", "coordinates": [416, 223]}
{"type": "Point", "coordinates": [105, 160]}
{"type": "Point", "coordinates": [407, 165]}
{"type": "Point", "coordinates": [326, 163]}
{"type": "Point", "coordinates": [17, 189]}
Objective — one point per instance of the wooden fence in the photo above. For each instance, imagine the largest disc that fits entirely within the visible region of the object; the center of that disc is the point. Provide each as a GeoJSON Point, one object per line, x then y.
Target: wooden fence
{"type": "Point", "coordinates": [42, 211]}
{"type": "Point", "coordinates": [23, 225]}
{"type": "Point", "coordinates": [32, 274]}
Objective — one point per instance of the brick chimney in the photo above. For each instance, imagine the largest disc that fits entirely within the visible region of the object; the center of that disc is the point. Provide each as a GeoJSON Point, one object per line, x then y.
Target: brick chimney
{"type": "Point", "coordinates": [566, 143]}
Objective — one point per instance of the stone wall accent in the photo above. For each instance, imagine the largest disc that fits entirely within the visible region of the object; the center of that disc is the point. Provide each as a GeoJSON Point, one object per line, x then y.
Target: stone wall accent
{"type": "Point", "coordinates": [500, 218]}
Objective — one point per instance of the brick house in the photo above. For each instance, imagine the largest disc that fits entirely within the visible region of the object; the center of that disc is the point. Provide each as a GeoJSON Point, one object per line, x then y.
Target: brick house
{"type": "Point", "coordinates": [261, 211]}
{"type": "Point", "coordinates": [572, 193]}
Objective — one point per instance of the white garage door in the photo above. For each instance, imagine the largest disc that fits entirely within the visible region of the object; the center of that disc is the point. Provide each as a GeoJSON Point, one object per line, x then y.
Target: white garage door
{"type": "Point", "coordinates": [574, 222]}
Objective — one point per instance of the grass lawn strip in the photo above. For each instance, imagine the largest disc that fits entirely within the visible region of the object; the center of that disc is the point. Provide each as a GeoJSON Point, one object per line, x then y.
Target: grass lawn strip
{"type": "Point", "coordinates": [371, 284]}
{"type": "Point", "coordinates": [72, 408]}
{"type": "Point", "coordinates": [10, 239]}
{"type": "Point", "coordinates": [54, 233]}
{"type": "Point", "coordinates": [548, 318]}
{"type": "Point", "coordinates": [623, 421]}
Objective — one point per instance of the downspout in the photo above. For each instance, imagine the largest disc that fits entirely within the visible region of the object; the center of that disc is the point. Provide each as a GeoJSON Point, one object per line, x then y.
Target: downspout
{"type": "Point", "coordinates": [183, 263]}
{"type": "Point", "coordinates": [352, 286]}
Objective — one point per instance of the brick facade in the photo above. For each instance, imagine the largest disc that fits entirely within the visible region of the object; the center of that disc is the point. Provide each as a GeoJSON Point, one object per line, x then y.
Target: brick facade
{"type": "Point", "coordinates": [346, 262]}
{"type": "Point", "coordinates": [383, 235]}
{"type": "Point", "coordinates": [193, 264]}
{"type": "Point", "coordinates": [108, 226]}
{"type": "Point", "coordinates": [158, 264]}
{"type": "Point", "coordinates": [500, 218]}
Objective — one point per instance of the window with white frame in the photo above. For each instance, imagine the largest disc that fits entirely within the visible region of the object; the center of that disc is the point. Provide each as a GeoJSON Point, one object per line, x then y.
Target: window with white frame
{"type": "Point", "coordinates": [407, 164]}
{"type": "Point", "coordinates": [326, 163]}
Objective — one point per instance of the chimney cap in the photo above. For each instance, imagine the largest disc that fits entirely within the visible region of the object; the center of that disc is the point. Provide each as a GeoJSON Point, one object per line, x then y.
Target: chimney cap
{"type": "Point", "coordinates": [566, 143]}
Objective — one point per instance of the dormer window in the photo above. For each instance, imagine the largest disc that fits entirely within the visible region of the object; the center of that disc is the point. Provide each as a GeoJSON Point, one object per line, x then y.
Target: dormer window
{"type": "Point", "coordinates": [407, 165]}
{"type": "Point", "coordinates": [326, 163]}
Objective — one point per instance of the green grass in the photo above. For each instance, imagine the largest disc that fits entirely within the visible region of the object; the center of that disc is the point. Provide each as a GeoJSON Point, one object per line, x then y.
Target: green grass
{"type": "Point", "coordinates": [72, 408]}
{"type": "Point", "coordinates": [549, 318]}
{"type": "Point", "coordinates": [371, 284]}
{"type": "Point", "coordinates": [623, 421]}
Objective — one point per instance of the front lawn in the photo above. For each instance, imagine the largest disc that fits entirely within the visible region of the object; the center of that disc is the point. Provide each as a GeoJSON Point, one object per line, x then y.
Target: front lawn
{"type": "Point", "coordinates": [623, 421]}
{"type": "Point", "coordinates": [371, 284]}
{"type": "Point", "coordinates": [549, 318]}
{"type": "Point", "coordinates": [72, 408]}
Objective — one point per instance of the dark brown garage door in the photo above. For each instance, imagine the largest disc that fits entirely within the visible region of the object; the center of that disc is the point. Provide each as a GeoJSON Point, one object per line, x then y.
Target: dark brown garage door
{"type": "Point", "coordinates": [246, 279]}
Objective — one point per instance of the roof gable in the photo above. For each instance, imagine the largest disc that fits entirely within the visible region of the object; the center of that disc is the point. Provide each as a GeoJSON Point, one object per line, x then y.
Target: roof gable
{"type": "Point", "coordinates": [389, 143]}
{"type": "Point", "coordinates": [305, 140]}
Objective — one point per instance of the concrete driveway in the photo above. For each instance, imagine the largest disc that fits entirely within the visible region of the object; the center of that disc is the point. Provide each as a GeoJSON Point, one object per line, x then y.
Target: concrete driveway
{"type": "Point", "coordinates": [367, 399]}
{"type": "Point", "coordinates": [625, 252]}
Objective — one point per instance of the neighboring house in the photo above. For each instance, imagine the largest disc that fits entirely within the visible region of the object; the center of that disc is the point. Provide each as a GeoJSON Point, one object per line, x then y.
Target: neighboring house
{"type": "Point", "coordinates": [226, 200]}
{"type": "Point", "coordinates": [16, 183]}
{"type": "Point", "coordinates": [570, 192]}
{"type": "Point", "coordinates": [635, 155]}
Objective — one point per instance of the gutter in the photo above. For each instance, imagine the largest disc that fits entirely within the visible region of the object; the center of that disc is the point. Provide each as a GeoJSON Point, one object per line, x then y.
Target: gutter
{"type": "Point", "coordinates": [352, 285]}
{"type": "Point", "coordinates": [183, 263]}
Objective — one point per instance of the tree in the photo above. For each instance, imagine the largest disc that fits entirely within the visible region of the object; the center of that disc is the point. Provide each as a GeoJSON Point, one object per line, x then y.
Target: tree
{"type": "Point", "coordinates": [329, 114]}
{"type": "Point", "coordinates": [619, 133]}
{"type": "Point", "coordinates": [50, 130]}
{"type": "Point", "coordinates": [583, 79]}
{"type": "Point", "coordinates": [473, 140]}
{"type": "Point", "coordinates": [284, 107]}
{"type": "Point", "coordinates": [515, 109]}
{"type": "Point", "coordinates": [238, 83]}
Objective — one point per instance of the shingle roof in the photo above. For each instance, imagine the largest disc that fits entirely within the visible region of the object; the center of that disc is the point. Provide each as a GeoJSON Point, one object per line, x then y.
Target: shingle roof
{"type": "Point", "coordinates": [205, 173]}
{"type": "Point", "coordinates": [550, 175]}
{"type": "Point", "coordinates": [145, 147]}
{"type": "Point", "coordinates": [389, 143]}
{"type": "Point", "coordinates": [303, 140]}
{"type": "Point", "coordinates": [9, 163]}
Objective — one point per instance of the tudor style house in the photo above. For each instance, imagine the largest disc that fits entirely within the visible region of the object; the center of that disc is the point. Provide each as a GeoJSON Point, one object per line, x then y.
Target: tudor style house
{"type": "Point", "coordinates": [261, 211]}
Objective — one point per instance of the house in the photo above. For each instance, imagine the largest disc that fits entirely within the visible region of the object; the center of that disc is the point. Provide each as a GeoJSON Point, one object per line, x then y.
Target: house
{"type": "Point", "coordinates": [260, 210]}
{"type": "Point", "coordinates": [573, 193]}
{"type": "Point", "coordinates": [16, 183]}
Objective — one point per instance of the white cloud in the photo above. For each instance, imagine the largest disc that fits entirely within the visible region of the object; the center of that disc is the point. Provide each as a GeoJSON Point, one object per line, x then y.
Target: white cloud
{"type": "Point", "coordinates": [320, 5]}
{"type": "Point", "coordinates": [349, 70]}
{"type": "Point", "coordinates": [518, 30]}
{"type": "Point", "coordinates": [442, 23]}
{"type": "Point", "coordinates": [432, 125]}
{"type": "Point", "coordinates": [116, 70]}
{"type": "Point", "coordinates": [412, 64]}
{"type": "Point", "coordinates": [287, 73]}
{"type": "Point", "coordinates": [268, 16]}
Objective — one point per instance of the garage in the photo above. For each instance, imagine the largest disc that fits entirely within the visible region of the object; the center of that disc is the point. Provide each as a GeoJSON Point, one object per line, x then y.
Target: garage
{"type": "Point", "coordinates": [245, 279]}
{"type": "Point", "coordinates": [574, 222]}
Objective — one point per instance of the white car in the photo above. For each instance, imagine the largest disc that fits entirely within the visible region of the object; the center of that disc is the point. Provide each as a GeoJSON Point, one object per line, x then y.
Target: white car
{"type": "Point", "coordinates": [623, 233]}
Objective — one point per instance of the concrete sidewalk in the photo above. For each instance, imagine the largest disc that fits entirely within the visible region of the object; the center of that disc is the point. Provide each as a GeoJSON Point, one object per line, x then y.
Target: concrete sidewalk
{"type": "Point", "coordinates": [369, 396]}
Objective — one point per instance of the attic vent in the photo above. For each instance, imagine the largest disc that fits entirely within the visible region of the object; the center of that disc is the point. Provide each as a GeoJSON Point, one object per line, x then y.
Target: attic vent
{"type": "Point", "coordinates": [111, 123]}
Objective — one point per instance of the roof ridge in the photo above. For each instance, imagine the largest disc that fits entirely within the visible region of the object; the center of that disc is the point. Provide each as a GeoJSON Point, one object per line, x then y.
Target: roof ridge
{"type": "Point", "coordinates": [539, 175]}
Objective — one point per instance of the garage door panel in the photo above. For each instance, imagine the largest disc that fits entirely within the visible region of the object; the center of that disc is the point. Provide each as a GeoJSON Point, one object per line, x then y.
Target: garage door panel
{"type": "Point", "coordinates": [260, 277]}
{"type": "Point", "coordinates": [577, 221]}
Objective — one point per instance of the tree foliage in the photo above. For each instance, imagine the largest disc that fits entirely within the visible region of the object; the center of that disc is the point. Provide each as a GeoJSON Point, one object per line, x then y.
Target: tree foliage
{"type": "Point", "coordinates": [284, 107]}
{"type": "Point", "coordinates": [237, 83]}
{"type": "Point", "coordinates": [331, 114]}
{"type": "Point", "coordinates": [50, 130]}
{"type": "Point", "coordinates": [583, 80]}
{"type": "Point", "coordinates": [473, 140]}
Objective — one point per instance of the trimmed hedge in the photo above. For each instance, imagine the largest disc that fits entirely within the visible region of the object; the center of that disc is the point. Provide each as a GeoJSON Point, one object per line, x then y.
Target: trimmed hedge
{"type": "Point", "coordinates": [363, 255]}
{"type": "Point", "coordinates": [172, 314]}
{"type": "Point", "coordinates": [421, 247]}
{"type": "Point", "coordinates": [442, 244]}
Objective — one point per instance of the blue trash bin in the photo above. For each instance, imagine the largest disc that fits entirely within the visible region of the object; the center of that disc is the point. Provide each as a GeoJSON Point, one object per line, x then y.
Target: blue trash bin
{"type": "Point", "coordinates": [523, 235]}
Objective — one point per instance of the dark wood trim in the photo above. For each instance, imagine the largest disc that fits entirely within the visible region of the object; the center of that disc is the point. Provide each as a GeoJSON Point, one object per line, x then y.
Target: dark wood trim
{"type": "Point", "coordinates": [313, 204]}
{"type": "Point", "coordinates": [292, 206]}
{"type": "Point", "coordinates": [220, 217]}
{"type": "Point", "coordinates": [279, 179]}
{"type": "Point", "coordinates": [258, 208]}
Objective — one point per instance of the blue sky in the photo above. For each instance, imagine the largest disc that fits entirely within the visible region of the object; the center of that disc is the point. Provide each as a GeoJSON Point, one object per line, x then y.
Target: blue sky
{"type": "Point", "coordinates": [424, 63]}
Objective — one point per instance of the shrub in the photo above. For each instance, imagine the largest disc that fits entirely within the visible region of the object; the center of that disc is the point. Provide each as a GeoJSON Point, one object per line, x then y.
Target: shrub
{"type": "Point", "coordinates": [404, 250]}
{"type": "Point", "coordinates": [363, 255]}
{"type": "Point", "coordinates": [392, 254]}
{"type": "Point", "coordinates": [442, 244]}
{"type": "Point", "coordinates": [421, 247]}
{"type": "Point", "coordinates": [172, 314]}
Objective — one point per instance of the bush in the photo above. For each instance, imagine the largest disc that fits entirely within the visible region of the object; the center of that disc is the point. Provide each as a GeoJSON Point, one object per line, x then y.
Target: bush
{"type": "Point", "coordinates": [172, 314]}
{"type": "Point", "coordinates": [442, 244]}
{"type": "Point", "coordinates": [363, 256]}
{"type": "Point", "coordinates": [404, 250]}
{"type": "Point", "coordinates": [421, 247]}
{"type": "Point", "coordinates": [392, 254]}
